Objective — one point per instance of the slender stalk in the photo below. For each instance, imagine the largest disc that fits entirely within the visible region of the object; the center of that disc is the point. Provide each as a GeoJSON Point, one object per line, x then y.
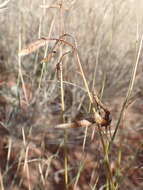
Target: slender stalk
{"type": "Point", "coordinates": [130, 88]}
{"type": "Point", "coordinates": [61, 32]}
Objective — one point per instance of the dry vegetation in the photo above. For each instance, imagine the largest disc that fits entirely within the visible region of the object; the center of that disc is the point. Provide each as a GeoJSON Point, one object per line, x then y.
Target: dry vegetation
{"type": "Point", "coordinates": [71, 95]}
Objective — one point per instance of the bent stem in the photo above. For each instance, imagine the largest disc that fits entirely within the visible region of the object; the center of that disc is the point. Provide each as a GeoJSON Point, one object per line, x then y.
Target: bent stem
{"type": "Point", "coordinates": [130, 88]}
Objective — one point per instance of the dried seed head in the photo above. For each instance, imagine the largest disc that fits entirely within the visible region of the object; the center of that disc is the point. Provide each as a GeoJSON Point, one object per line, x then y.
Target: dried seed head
{"type": "Point", "coordinates": [33, 47]}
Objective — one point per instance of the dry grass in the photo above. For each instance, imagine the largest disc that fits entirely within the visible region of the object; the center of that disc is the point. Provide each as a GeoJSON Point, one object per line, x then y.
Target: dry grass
{"type": "Point", "coordinates": [79, 64]}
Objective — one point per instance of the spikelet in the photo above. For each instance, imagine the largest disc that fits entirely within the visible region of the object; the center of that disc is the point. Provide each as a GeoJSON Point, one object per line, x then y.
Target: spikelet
{"type": "Point", "coordinates": [33, 47]}
{"type": "Point", "coordinates": [81, 123]}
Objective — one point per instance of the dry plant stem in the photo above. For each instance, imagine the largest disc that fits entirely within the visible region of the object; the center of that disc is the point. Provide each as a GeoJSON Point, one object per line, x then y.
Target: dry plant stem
{"type": "Point", "coordinates": [59, 65]}
{"type": "Point", "coordinates": [37, 53]}
{"type": "Point", "coordinates": [3, 5]}
{"type": "Point", "coordinates": [108, 168]}
{"type": "Point", "coordinates": [36, 57]}
{"type": "Point", "coordinates": [106, 156]}
{"type": "Point", "coordinates": [24, 138]}
{"type": "Point", "coordinates": [85, 136]}
{"type": "Point", "coordinates": [69, 83]}
{"type": "Point", "coordinates": [130, 88]}
{"type": "Point", "coordinates": [79, 173]}
{"type": "Point", "coordinates": [46, 49]}
{"type": "Point", "coordinates": [41, 174]}
{"type": "Point", "coordinates": [94, 186]}
{"type": "Point", "coordinates": [103, 87]}
{"type": "Point", "coordinates": [44, 12]}
{"type": "Point", "coordinates": [61, 16]}
{"type": "Point", "coordinates": [61, 32]}
{"type": "Point", "coordinates": [65, 132]}
{"type": "Point", "coordinates": [95, 70]}
{"type": "Point", "coordinates": [93, 84]}
{"type": "Point", "coordinates": [83, 75]}
{"type": "Point", "coordinates": [42, 74]}
{"type": "Point", "coordinates": [28, 177]}
{"type": "Point", "coordinates": [9, 152]}
{"type": "Point", "coordinates": [26, 158]}
{"type": "Point", "coordinates": [1, 181]}
{"type": "Point", "coordinates": [20, 71]}
{"type": "Point", "coordinates": [25, 165]}
{"type": "Point", "coordinates": [62, 87]}
{"type": "Point", "coordinates": [17, 170]}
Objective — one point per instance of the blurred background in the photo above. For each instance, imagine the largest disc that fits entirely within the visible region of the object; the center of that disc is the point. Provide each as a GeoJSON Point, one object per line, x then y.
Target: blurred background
{"type": "Point", "coordinates": [108, 35]}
